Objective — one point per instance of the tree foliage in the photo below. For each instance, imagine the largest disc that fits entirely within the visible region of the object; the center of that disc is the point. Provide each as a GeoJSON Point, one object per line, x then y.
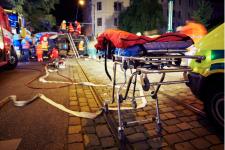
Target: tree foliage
{"type": "Point", "coordinates": [203, 13]}
{"type": "Point", "coordinates": [36, 12]}
{"type": "Point", "coordinates": [141, 15]}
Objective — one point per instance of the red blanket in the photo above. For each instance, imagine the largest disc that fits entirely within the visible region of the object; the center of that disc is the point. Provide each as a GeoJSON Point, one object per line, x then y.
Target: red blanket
{"type": "Point", "coordinates": [123, 39]}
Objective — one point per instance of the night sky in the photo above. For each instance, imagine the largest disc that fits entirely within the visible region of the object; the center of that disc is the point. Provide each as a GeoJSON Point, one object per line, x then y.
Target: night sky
{"type": "Point", "coordinates": [66, 10]}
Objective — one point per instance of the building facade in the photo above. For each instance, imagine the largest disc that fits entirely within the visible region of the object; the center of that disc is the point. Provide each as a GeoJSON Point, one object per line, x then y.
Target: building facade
{"type": "Point", "coordinates": [103, 14]}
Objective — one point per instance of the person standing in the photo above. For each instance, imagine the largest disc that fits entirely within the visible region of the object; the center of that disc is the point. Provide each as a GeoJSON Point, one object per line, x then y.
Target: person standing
{"type": "Point", "coordinates": [25, 50]}
{"type": "Point", "coordinates": [39, 52]}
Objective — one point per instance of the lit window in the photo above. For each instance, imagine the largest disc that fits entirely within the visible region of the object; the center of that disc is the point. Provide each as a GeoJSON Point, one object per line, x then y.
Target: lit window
{"type": "Point", "coordinates": [99, 5]}
{"type": "Point", "coordinates": [99, 21]}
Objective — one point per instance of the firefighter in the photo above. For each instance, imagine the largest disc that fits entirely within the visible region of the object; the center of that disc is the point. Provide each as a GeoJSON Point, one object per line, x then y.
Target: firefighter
{"type": "Point", "coordinates": [63, 26]}
{"type": "Point", "coordinates": [25, 50]}
{"type": "Point", "coordinates": [39, 52]}
{"type": "Point", "coordinates": [54, 53]}
{"type": "Point", "coordinates": [71, 28]}
{"type": "Point", "coordinates": [78, 28]}
{"type": "Point", "coordinates": [193, 29]}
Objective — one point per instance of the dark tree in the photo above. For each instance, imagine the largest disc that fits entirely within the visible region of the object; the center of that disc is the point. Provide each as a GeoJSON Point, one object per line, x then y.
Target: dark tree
{"type": "Point", "coordinates": [141, 15]}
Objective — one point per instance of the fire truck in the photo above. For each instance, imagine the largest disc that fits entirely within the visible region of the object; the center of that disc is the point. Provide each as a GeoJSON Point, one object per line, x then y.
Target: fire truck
{"type": "Point", "coordinates": [8, 57]}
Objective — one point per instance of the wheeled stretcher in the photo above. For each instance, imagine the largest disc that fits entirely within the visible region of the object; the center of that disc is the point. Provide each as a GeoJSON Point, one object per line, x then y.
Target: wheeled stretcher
{"type": "Point", "coordinates": [153, 56]}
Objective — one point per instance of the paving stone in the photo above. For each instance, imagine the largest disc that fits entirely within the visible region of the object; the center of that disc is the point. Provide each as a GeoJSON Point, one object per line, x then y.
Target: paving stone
{"type": "Point", "coordinates": [200, 132]}
{"type": "Point", "coordinates": [74, 108]}
{"type": "Point", "coordinates": [150, 126]}
{"type": "Point", "coordinates": [76, 146]}
{"type": "Point", "coordinates": [83, 104]}
{"type": "Point", "coordinates": [87, 122]}
{"type": "Point", "coordinates": [74, 129]}
{"type": "Point", "coordinates": [89, 130]}
{"type": "Point", "coordinates": [129, 131]}
{"type": "Point", "coordinates": [142, 113]}
{"type": "Point", "coordinates": [75, 138]}
{"type": "Point", "coordinates": [73, 103]}
{"type": "Point", "coordinates": [140, 128]}
{"type": "Point", "coordinates": [172, 121]}
{"type": "Point", "coordinates": [213, 139]}
{"type": "Point", "coordinates": [167, 109]}
{"type": "Point", "coordinates": [172, 139]}
{"type": "Point", "coordinates": [85, 109]}
{"type": "Point", "coordinates": [183, 126]}
{"type": "Point", "coordinates": [184, 146]}
{"type": "Point", "coordinates": [136, 137]}
{"type": "Point", "coordinates": [188, 112]}
{"type": "Point", "coordinates": [82, 100]}
{"type": "Point", "coordinates": [170, 115]}
{"type": "Point", "coordinates": [184, 119]}
{"type": "Point", "coordinates": [74, 121]}
{"type": "Point", "coordinates": [186, 135]}
{"type": "Point", "coordinates": [91, 140]}
{"type": "Point", "coordinates": [100, 120]}
{"type": "Point", "coordinates": [141, 145]}
{"type": "Point", "coordinates": [171, 129]}
{"type": "Point", "coordinates": [200, 143]}
{"type": "Point", "coordinates": [107, 142]}
{"type": "Point", "coordinates": [195, 124]}
{"type": "Point", "coordinates": [178, 107]}
{"type": "Point", "coordinates": [157, 143]}
{"type": "Point", "coordinates": [217, 147]}
{"type": "Point", "coordinates": [102, 131]}
{"type": "Point", "coordinates": [72, 94]}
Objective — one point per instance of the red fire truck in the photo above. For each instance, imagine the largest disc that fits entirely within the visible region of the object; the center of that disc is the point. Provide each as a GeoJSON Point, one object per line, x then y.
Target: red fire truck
{"type": "Point", "coordinates": [8, 57]}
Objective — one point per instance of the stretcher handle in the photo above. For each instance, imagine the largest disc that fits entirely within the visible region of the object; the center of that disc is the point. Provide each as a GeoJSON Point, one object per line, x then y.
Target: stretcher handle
{"type": "Point", "coordinates": [106, 56]}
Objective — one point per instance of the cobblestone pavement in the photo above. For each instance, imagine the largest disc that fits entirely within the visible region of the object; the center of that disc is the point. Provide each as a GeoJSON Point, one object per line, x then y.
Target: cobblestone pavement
{"type": "Point", "coordinates": [182, 128]}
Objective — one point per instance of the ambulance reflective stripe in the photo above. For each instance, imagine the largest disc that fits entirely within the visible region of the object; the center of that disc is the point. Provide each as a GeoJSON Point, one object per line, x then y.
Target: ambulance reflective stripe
{"type": "Point", "coordinates": [217, 66]}
{"type": "Point", "coordinates": [217, 54]}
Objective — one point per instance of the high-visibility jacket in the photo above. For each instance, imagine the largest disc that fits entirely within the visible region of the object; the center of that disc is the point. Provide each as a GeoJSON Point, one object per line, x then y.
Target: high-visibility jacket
{"type": "Point", "coordinates": [63, 26]}
{"type": "Point", "coordinates": [55, 53]}
{"type": "Point", "coordinates": [71, 29]}
{"type": "Point", "coordinates": [81, 46]}
{"type": "Point", "coordinates": [44, 45]}
{"type": "Point", "coordinates": [39, 50]}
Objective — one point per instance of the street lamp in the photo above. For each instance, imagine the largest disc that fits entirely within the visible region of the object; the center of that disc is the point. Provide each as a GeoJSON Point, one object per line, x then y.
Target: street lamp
{"type": "Point", "coordinates": [80, 2]}
{"type": "Point", "coordinates": [170, 16]}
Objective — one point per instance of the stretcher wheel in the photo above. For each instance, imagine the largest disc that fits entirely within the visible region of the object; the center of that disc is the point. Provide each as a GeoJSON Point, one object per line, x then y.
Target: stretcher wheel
{"type": "Point", "coordinates": [121, 136]}
{"type": "Point", "coordinates": [106, 107]}
{"type": "Point", "coordinates": [146, 84]}
{"type": "Point", "coordinates": [134, 104]}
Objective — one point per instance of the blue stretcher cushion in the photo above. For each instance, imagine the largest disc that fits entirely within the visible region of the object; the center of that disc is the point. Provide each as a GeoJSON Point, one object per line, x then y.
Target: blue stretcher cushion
{"type": "Point", "coordinates": [130, 51]}
{"type": "Point", "coordinates": [168, 45]}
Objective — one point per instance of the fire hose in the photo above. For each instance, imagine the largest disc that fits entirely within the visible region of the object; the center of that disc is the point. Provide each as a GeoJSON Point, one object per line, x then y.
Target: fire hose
{"type": "Point", "coordinates": [42, 79]}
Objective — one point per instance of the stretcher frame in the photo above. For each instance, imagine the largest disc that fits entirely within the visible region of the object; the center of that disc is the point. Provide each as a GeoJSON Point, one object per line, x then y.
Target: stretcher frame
{"type": "Point", "coordinates": [160, 59]}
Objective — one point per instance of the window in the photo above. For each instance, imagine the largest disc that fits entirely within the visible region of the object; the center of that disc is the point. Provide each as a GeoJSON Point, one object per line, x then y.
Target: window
{"type": "Point", "coordinates": [99, 21]}
{"type": "Point", "coordinates": [99, 5]}
{"type": "Point", "coordinates": [117, 6]}
{"type": "Point", "coordinates": [179, 2]}
{"type": "Point", "coordinates": [115, 21]}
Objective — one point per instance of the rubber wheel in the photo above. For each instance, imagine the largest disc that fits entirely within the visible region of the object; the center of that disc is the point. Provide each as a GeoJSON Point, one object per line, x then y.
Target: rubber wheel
{"type": "Point", "coordinates": [214, 107]}
{"type": "Point", "coordinates": [13, 60]}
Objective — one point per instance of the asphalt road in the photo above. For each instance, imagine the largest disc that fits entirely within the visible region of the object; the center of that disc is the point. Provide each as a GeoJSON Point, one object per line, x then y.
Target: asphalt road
{"type": "Point", "coordinates": [38, 125]}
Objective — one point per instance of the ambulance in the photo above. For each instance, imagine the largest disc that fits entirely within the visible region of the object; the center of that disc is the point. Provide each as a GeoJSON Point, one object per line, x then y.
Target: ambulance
{"type": "Point", "coordinates": [206, 81]}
